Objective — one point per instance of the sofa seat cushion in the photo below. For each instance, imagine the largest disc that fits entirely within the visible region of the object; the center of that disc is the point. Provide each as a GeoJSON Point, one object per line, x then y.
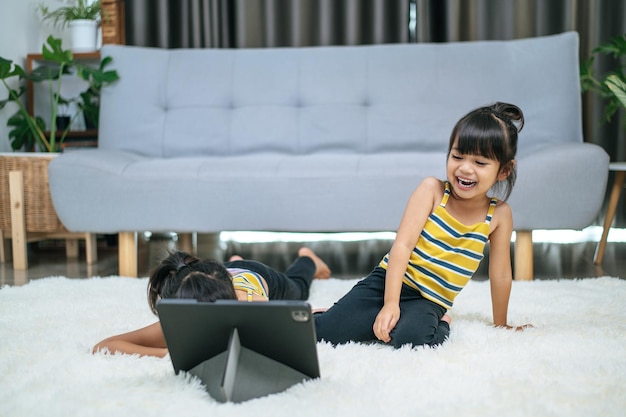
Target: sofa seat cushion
{"type": "Point", "coordinates": [129, 192]}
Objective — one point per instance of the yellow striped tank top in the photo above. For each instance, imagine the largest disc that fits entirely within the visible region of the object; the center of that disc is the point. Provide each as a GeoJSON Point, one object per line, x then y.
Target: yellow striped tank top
{"type": "Point", "coordinates": [248, 281]}
{"type": "Point", "coordinates": [446, 255]}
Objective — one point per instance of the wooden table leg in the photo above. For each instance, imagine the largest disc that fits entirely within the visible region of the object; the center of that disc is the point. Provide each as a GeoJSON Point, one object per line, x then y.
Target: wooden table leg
{"type": "Point", "coordinates": [616, 191]}
{"type": "Point", "coordinates": [523, 255]}
{"type": "Point", "coordinates": [127, 249]}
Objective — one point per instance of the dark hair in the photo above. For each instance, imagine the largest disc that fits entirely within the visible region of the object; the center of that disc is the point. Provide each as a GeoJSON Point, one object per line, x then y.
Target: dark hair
{"type": "Point", "coordinates": [491, 132]}
{"type": "Point", "coordinates": [166, 278]}
{"type": "Point", "coordinates": [203, 287]}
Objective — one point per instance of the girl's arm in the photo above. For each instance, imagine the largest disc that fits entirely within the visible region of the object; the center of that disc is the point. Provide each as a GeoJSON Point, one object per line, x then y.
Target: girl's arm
{"type": "Point", "coordinates": [418, 208]}
{"type": "Point", "coordinates": [147, 341]}
{"type": "Point", "coordinates": [500, 274]}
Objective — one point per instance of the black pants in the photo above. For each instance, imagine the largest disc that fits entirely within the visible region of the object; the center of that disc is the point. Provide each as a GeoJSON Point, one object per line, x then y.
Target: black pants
{"type": "Point", "coordinates": [294, 284]}
{"type": "Point", "coordinates": [351, 319]}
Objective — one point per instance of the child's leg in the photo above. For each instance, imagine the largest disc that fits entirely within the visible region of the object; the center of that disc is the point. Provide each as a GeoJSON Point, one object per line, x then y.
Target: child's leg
{"type": "Point", "coordinates": [282, 286]}
{"type": "Point", "coordinates": [351, 318]}
{"type": "Point", "coordinates": [420, 322]}
{"type": "Point", "coordinates": [322, 271]}
{"type": "Point", "coordinates": [294, 284]}
{"type": "Point", "coordinates": [299, 276]}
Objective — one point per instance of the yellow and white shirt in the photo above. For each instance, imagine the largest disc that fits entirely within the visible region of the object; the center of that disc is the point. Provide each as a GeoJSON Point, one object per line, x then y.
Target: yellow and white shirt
{"type": "Point", "coordinates": [446, 255]}
{"type": "Point", "coordinates": [249, 282]}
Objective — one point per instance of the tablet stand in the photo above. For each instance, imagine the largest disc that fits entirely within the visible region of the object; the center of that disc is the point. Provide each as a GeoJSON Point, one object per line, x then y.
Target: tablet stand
{"type": "Point", "coordinates": [240, 374]}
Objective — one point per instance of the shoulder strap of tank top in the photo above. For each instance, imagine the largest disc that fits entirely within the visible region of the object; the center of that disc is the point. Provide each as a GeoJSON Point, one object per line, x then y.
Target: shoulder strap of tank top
{"type": "Point", "coordinates": [446, 194]}
{"type": "Point", "coordinates": [492, 208]}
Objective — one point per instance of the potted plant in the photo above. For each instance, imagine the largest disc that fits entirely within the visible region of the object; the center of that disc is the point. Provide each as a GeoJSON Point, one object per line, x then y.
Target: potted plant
{"type": "Point", "coordinates": [28, 131]}
{"type": "Point", "coordinates": [83, 18]}
{"type": "Point", "coordinates": [96, 78]}
{"type": "Point", "coordinates": [612, 85]}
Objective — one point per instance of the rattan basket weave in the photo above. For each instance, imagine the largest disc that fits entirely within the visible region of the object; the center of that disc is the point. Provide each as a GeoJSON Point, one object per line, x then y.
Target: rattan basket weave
{"type": "Point", "coordinates": [39, 211]}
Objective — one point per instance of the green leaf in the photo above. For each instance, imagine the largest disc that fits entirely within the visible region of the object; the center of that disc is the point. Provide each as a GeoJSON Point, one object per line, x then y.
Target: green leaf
{"type": "Point", "coordinates": [53, 51]}
{"type": "Point", "coordinates": [616, 47]}
{"type": "Point", "coordinates": [105, 61]}
{"type": "Point", "coordinates": [5, 68]}
{"type": "Point", "coordinates": [610, 85]}
{"type": "Point", "coordinates": [109, 77]}
{"type": "Point", "coordinates": [14, 95]}
{"type": "Point", "coordinates": [45, 72]}
{"type": "Point", "coordinates": [8, 69]}
{"type": "Point", "coordinates": [27, 130]}
{"type": "Point", "coordinates": [617, 87]}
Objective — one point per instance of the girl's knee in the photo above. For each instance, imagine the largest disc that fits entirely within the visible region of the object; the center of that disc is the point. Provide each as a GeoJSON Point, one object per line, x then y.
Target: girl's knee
{"type": "Point", "coordinates": [413, 340]}
{"type": "Point", "coordinates": [426, 336]}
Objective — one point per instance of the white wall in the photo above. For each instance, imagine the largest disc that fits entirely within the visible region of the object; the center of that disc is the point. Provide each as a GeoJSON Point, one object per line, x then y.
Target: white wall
{"type": "Point", "coordinates": [21, 33]}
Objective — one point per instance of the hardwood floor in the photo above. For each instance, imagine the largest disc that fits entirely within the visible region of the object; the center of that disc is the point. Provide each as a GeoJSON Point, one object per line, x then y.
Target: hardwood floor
{"type": "Point", "coordinates": [557, 254]}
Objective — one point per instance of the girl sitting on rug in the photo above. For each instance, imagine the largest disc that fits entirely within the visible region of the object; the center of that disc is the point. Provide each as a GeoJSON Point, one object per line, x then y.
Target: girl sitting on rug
{"type": "Point", "coordinates": [181, 275]}
{"type": "Point", "coordinates": [440, 243]}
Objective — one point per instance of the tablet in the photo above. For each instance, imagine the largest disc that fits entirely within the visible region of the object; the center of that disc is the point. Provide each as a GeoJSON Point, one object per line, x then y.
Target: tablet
{"type": "Point", "coordinates": [241, 350]}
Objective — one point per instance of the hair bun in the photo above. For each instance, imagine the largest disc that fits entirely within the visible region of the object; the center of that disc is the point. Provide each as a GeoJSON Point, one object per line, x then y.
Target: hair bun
{"type": "Point", "coordinates": [510, 113]}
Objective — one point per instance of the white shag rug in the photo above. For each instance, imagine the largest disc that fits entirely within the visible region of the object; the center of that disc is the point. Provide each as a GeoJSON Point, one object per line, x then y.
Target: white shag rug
{"type": "Point", "coordinates": [572, 364]}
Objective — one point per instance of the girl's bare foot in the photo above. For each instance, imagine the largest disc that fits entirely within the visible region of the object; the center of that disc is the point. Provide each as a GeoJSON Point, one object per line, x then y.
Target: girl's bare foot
{"type": "Point", "coordinates": [235, 258]}
{"type": "Point", "coordinates": [322, 271]}
{"type": "Point", "coordinates": [446, 318]}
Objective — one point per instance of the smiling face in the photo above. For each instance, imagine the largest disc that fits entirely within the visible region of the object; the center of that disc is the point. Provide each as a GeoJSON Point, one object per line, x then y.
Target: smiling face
{"type": "Point", "coordinates": [482, 149]}
{"type": "Point", "coordinates": [472, 175]}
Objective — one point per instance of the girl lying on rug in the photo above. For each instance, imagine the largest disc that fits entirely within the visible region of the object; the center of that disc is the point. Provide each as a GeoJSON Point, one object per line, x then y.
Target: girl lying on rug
{"type": "Point", "coordinates": [404, 300]}
{"type": "Point", "coordinates": [181, 275]}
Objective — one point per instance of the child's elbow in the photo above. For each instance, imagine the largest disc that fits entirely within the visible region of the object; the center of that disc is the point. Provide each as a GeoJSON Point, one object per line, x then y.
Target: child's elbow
{"type": "Point", "coordinates": [102, 346]}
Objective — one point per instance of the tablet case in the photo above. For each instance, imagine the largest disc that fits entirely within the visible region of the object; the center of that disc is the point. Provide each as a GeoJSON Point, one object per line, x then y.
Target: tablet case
{"type": "Point", "coordinates": [241, 350]}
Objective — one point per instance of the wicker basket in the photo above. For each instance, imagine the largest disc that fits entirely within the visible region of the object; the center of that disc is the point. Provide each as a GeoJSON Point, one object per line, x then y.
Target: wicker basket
{"type": "Point", "coordinates": [39, 211]}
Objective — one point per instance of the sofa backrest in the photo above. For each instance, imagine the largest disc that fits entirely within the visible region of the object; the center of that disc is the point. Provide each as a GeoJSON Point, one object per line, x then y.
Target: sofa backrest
{"type": "Point", "coordinates": [363, 99]}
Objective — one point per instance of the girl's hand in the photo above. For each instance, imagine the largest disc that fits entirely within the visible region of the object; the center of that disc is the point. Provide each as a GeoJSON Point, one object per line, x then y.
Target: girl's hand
{"type": "Point", "coordinates": [517, 328]}
{"type": "Point", "coordinates": [386, 320]}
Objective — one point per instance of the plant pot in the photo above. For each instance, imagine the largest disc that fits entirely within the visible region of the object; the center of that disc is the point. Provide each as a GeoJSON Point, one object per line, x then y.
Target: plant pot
{"type": "Point", "coordinates": [84, 35]}
{"type": "Point", "coordinates": [63, 122]}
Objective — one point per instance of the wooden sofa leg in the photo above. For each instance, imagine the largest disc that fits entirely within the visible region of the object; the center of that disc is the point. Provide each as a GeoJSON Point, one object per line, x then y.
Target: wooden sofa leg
{"type": "Point", "coordinates": [523, 255]}
{"type": "Point", "coordinates": [3, 254]}
{"type": "Point", "coordinates": [187, 242]}
{"type": "Point", "coordinates": [18, 220]}
{"type": "Point", "coordinates": [91, 248]}
{"type": "Point", "coordinates": [127, 250]}
{"type": "Point", "coordinates": [71, 248]}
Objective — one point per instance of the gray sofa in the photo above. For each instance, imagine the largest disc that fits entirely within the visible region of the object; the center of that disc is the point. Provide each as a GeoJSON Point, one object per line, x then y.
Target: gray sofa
{"type": "Point", "coordinates": [321, 138]}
